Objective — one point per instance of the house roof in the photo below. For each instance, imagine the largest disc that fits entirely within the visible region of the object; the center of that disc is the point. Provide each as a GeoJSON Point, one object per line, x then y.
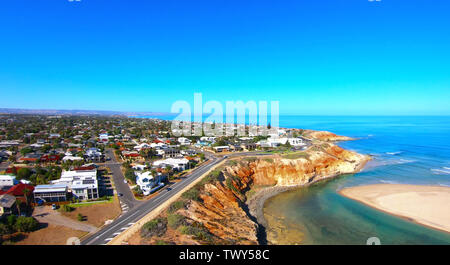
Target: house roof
{"type": "Point", "coordinates": [17, 190]}
{"type": "Point", "coordinates": [7, 201]}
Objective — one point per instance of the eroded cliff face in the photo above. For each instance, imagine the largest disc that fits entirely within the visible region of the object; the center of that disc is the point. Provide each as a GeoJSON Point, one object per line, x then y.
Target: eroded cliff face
{"type": "Point", "coordinates": [222, 206]}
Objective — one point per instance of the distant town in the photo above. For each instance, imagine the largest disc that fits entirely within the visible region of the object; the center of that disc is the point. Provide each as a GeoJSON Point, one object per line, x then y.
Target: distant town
{"type": "Point", "coordinates": [77, 174]}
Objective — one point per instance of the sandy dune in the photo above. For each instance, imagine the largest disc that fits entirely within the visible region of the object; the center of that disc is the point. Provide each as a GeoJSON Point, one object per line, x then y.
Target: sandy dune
{"type": "Point", "coordinates": [426, 205]}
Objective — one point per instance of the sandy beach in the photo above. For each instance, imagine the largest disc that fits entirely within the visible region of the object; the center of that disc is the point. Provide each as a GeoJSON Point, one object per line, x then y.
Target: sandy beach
{"type": "Point", "coordinates": [426, 205]}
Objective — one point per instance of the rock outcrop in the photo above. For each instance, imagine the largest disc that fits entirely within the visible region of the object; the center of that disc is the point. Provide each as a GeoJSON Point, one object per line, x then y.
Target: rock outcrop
{"type": "Point", "coordinates": [325, 136]}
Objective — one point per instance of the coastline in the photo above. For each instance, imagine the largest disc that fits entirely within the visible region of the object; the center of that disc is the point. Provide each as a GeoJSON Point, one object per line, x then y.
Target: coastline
{"type": "Point", "coordinates": [420, 204]}
{"type": "Point", "coordinates": [256, 203]}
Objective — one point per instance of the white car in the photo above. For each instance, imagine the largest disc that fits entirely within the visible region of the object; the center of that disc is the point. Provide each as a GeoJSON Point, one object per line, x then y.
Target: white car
{"type": "Point", "coordinates": [125, 181]}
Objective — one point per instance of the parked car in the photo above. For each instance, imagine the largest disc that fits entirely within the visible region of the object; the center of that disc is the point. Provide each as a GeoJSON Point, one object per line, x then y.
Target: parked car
{"type": "Point", "coordinates": [125, 181]}
{"type": "Point", "coordinates": [120, 194]}
{"type": "Point", "coordinates": [54, 207]}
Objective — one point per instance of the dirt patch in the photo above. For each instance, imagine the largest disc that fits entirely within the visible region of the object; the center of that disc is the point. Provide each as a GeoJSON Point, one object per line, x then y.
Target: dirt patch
{"type": "Point", "coordinates": [97, 214]}
{"type": "Point", "coordinates": [50, 235]}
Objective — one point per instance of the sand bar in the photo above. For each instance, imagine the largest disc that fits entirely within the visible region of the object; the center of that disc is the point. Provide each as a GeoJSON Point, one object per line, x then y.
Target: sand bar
{"type": "Point", "coordinates": [426, 205]}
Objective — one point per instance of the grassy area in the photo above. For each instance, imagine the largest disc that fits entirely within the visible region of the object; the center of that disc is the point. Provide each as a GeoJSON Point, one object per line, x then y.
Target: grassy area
{"type": "Point", "coordinates": [96, 213]}
{"type": "Point", "coordinates": [296, 155]}
{"type": "Point", "coordinates": [83, 204]}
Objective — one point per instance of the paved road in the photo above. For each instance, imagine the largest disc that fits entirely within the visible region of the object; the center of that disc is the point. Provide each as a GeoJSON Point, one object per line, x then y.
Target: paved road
{"type": "Point", "coordinates": [127, 200]}
{"type": "Point", "coordinates": [140, 209]}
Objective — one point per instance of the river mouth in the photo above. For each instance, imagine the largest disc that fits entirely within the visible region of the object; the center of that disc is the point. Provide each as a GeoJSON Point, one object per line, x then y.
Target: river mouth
{"type": "Point", "coordinates": [317, 214]}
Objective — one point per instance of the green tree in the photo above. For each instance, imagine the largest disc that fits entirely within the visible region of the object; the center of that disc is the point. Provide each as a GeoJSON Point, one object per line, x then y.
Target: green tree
{"type": "Point", "coordinates": [26, 224]}
{"type": "Point", "coordinates": [26, 150]}
{"type": "Point", "coordinates": [23, 173]}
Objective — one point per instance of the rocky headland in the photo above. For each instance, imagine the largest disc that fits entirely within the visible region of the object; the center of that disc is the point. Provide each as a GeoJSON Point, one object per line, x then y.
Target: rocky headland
{"type": "Point", "coordinates": [226, 206]}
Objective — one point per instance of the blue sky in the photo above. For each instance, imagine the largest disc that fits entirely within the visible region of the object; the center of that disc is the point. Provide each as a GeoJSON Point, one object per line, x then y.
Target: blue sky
{"type": "Point", "coordinates": [341, 57]}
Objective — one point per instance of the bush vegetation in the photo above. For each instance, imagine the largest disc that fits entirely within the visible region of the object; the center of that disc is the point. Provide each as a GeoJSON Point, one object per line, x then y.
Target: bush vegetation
{"type": "Point", "coordinates": [155, 227]}
{"type": "Point", "coordinates": [176, 205]}
{"type": "Point", "coordinates": [175, 220]}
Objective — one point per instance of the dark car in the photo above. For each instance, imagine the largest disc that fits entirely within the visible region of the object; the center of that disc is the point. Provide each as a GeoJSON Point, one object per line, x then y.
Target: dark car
{"type": "Point", "coordinates": [120, 194]}
{"type": "Point", "coordinates": [168, 189]}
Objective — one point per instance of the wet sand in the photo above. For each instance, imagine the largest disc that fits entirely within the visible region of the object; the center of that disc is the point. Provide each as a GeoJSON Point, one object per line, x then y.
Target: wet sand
{"type": "Point", "coordinates": [425, 205]}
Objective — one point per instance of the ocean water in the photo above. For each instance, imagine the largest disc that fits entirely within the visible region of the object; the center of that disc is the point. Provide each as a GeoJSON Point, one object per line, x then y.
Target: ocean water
{"type": "Point", "coordinates": [407, 150]}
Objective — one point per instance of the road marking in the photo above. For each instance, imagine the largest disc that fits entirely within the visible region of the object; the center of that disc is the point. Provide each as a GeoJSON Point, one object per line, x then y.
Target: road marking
{"type": "Point", "coordinates": [114, 226]}
{"type": "Point", "coordinates": [199, 172]}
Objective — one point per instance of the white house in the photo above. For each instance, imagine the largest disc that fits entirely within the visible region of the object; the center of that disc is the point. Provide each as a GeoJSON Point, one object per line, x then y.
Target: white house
{"type": "Point", "coordinates": [292, 141]}
{"type": "Point", "coordinates": [142, 146]}
{"type": "Point", "coordinates": [71, 158]}
{"type": "Point", "coordinates": [208, 139]}
{"type": "Point", "coordinates": [275, 141]}
{"type": "Point", "coordinates": [184, 141]}
{"type": "Point", "coordinates": [93, 154]}
{"type": "Point", "coordinates": [82, 183]}
{"type": "Point", "coordinates": [103, 137]}
{"type": "Point", "coordinates": [147, 183]}
{"type": "Point", "coordinates": [8, 180]}
{"type": "Point", "coordinates": [139, 167]}
{"type": "Point", "coordinates": [179, 164]}
{"type": "Point", "coordinates": [158, 145]}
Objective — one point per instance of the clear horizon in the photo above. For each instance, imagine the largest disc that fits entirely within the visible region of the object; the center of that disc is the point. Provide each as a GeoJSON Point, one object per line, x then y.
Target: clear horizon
{"type": "Point", "coordinates": [317, 58]}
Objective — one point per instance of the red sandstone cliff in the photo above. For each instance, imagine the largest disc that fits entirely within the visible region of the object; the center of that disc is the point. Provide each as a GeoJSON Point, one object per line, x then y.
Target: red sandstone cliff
{"type": "Point", "coordinates": [221, 205]}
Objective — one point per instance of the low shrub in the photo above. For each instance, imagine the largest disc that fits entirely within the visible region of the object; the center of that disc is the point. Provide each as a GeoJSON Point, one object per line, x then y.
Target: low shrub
{"type": "Point", "coordinates": [175, 220]}
{"type": "Point", "coordinates": [191, 194]}
{"type": "Point", "coordinates": [155, 227]}
{"type": "Point", "coordinates": [176, 206]}
{"type": "Point", "coordinates": [197, 230]}
{"type": "Point", "coordinates": [66, 208]}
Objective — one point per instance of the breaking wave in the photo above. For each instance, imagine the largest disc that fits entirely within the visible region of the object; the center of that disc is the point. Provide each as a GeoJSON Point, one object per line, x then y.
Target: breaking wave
{"type": "Point", "coordinates": [441, 171]}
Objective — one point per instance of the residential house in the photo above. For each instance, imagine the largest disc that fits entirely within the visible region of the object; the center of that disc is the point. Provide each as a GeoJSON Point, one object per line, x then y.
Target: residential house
{"type": "Point", "coordinates": [94, 154]}
{"type": "Point", "coordinates": [169, 152]}
{"type": "Point", "coordinates": [50, 158]}
{"type": "Point", "coordinates": [189, 152]}
{"type": "Point", "coordinates": [148, 183]}
{"type": "Point", "coordinates": [224, 148]}
{"type": "Point", "coordinates": [236, 148]}
{"type": "Point", "coordinates": [7, 205]}
{"type": "Point", "coordinates": [6, 144]}
{"type": "Point", "coordinates": [103, 137]}
{"type": "Point", "coordinates": [31, 158]}
{"type": "Point", "coordinates": [51, 193]}
{"type": "Point", "coordinates": [18, 191]}
{"type": "Point", "coordinates": [7, 181]}
{"type": "Point", "coordinates": [184, 141]}
{"type": "Point", "coordinates": [82, 182]}
{"type": "Point", "coordinates": [248, 146]}
{"type": "Point", "coordinates": [178, 164]}
{"type": "Point", "coordinates": [141, 146]}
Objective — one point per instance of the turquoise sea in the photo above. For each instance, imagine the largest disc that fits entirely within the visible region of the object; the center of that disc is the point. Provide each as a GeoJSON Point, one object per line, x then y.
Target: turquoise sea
{"type": "Point", "coordinates": [406, 149]}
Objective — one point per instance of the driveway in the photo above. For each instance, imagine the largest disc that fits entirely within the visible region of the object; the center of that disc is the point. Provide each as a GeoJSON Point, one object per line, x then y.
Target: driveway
{"type": "Point", "coordinates": [45, 214]}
